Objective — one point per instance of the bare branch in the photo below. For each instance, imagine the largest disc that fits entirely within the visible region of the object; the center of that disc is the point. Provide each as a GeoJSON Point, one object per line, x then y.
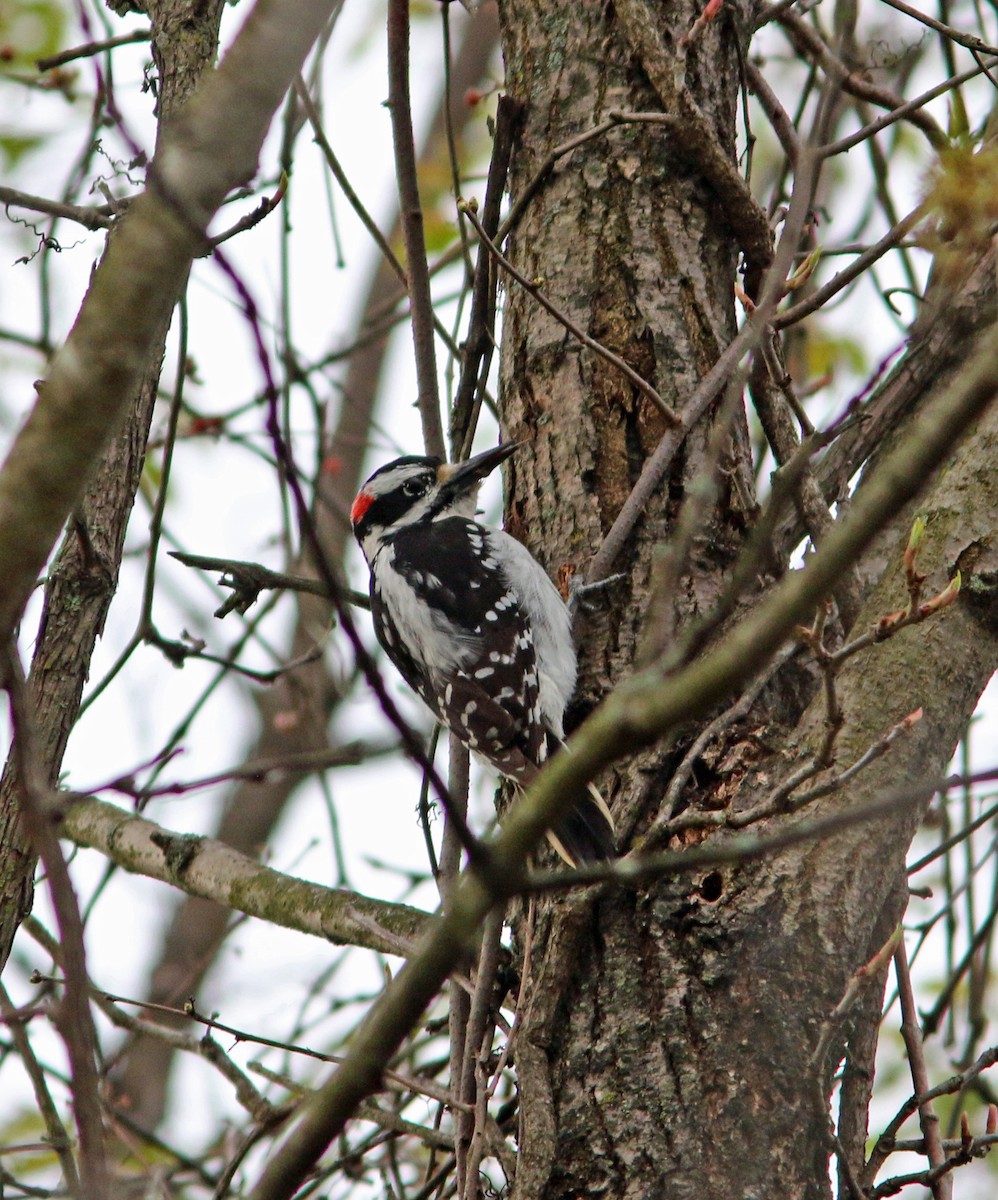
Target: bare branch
{"type": "Point", "coordinates": [91, 48]}
{"type": "Point", "coordinates": [202, 867]}
{"type": "Point", "coordinates": [968, 40]}
{"type": "Point", "coordinates": [942, 1188]}
{"type": "Point", "coordinates": [411, 219]}
{"type": "Point", "coordinates": [89, 216]}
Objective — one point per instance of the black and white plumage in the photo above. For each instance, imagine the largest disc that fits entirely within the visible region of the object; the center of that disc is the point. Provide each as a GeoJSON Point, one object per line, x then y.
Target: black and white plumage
{"type": "Point", "coordinates": [474, 625]}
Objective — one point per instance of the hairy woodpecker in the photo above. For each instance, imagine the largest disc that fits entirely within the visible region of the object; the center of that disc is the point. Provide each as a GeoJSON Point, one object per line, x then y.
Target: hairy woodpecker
{"type": "Point", "coordinates": [474, 625]}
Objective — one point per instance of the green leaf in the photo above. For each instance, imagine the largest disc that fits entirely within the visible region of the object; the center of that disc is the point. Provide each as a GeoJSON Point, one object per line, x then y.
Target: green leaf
{"type": "Point", "coordinates": [14, 147]}
{"type": "Point", "coordinates": [959, 122]}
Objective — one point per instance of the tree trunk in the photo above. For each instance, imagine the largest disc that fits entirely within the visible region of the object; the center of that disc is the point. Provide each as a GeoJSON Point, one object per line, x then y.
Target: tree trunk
{"type": "Point", "coordinates": [84, 576]}
{"type": "Point", "coordinates": [668, 1032]}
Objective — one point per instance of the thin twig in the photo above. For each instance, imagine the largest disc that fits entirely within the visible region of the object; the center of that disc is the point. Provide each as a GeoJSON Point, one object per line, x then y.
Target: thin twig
{"type": "Point", "coordinates": [779, 118]}
{"type": "Point", "coordinates": [771, 391]}
{"type": "Point", "coordinates": [411, 221]}
{"type": "Point", "coordinates": [72, 1016]}
{"type": "Point", "coordinates": [886, 1143]}
{"type": "Point", "coordinates": [807, 41]}
{"type": "Point", "coordinates": [519, 206]}
{"type": "Point", "coordinates": [91, 217]}
{"type": "Point", "coordinates": [89, 49]}
{"type": "Point", "coordinates": [637, 867]}
{"type": "Point", "coordinates": [253, 218]}
{"type": "Point", "coordinates": [944, 847]}
{"type": "Point", "coordinates": [891, 239]}
{"type": "Point", "coordinates": [930, 1022]}
{"type": "Point", "coordinates": [341, 177]}
{"type": "Point", "coordinates": [262, 770]}
{"type": "Point", "coordinates": [248, 579]}
{"type": "Point", "coordinates": [56, 1134]}
{"type": "Point", "coordinates": [470, 1088]}
{"type": "Point", "coordinates": [480, 340]}
{"type": "Point", "coordinates": [784, 800]}
{"type": "Point", "coordinates": [928, 1118]}
{"type": "Point", "coordinates": [859, 979]}
{"type": "Point", "coordinates": [459, 1007]}
{"type": "Point", "coordinates": [421, 1085]}
{"type": "Point", "coordinates": [907, 109]}
{"type": "Point", "coordinates": [666, 824]}
{"type": "Point", "coordinates": [967, 40]}
{"type": "Point", "coordinates": [917, 1145]}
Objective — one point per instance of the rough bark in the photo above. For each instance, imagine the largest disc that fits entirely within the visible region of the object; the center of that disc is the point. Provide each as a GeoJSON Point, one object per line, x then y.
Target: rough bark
{"type": "Point", "coordinates": [634, 246]}
{"type": "Point", "coordinates": [691, 1013]}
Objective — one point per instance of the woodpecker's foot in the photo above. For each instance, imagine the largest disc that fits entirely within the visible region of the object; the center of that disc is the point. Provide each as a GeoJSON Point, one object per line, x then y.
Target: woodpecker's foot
{"type": "Point", "coordinates": [591, 596]}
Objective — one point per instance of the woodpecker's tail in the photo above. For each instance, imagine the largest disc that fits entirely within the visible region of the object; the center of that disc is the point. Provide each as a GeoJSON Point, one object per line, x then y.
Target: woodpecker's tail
{"type": "Point", "coordinates": [586, 834]}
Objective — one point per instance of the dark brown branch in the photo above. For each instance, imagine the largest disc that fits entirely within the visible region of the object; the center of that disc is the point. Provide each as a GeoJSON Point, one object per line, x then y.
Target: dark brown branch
{"type": "Point", "coordinates": [809, 42]}
{"type": "Point", "coordinates": [886, 1143]}
{"type": "Point", "coordinates": [247, 580]}
{"type": "Point", "coordinates": [928, 1118]}
{"type": "Point", "coordinates": [480, 340]}
{"type": "Point", "coordinates": [262, 770]}
{"type": "Point", "coordinates": [89, 49]}
{"type": "Point", "coordinates": [739, 848]}
{"type": "Point", "coordinates": [72, 1015]}
{"type": "Point", "coordinates": [778, 116]}
{"type": "Point", "coordinates": [967, 40]}
{"type": "Point", "coordinates": [907, 109]}
{"type": "Point", "coordinates": [774, 411]}
{"type": "Point", "coordinates": [91, 217]}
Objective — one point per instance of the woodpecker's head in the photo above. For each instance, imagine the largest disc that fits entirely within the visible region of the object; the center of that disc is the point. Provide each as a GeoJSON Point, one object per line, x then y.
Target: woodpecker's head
{"type": "Point", "coordinates": [415, 489]}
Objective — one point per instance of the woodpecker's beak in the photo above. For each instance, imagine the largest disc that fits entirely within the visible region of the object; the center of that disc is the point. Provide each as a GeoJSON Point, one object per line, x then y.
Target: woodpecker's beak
{"type": "Point", "coordinates": [459, 478]}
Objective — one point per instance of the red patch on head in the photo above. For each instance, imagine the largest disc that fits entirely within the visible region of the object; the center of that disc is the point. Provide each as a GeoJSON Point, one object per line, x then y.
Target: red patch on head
{"type": "Point", "coordinates": [360, 506]}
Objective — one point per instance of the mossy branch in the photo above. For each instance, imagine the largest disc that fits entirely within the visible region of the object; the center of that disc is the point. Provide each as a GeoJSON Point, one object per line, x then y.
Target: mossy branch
{"type": "Point", "coordinates": [203, 867]}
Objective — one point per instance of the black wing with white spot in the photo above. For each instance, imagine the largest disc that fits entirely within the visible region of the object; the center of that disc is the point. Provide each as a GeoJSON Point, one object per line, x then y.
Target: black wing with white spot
{"type": "Point", "coordinates": [449, 621]}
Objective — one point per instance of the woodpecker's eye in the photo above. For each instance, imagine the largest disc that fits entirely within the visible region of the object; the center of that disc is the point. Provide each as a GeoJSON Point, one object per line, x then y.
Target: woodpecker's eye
{"type": "Point", "coordinates": [413, 487]}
